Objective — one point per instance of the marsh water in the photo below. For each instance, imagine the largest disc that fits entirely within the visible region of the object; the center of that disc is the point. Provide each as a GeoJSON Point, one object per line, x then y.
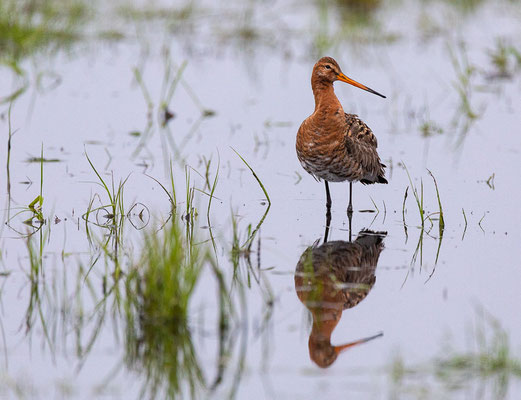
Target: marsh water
{"type": "Point", "coordinates": [160, 239]}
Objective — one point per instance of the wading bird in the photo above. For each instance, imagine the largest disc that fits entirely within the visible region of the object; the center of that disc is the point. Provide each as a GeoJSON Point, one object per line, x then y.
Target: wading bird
{"type": "Point", "coordinates": [335, 146]}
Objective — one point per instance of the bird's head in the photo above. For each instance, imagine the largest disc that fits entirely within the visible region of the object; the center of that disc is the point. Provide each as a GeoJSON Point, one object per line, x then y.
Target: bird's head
{"type": "Point", "coordinates": [327, 71]}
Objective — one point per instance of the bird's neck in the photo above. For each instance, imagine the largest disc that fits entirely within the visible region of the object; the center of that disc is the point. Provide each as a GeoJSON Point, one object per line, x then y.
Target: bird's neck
{"type": "Point", "coordinates": [325, 319]}
{"type": "Point", "coordinates": [325, 98]}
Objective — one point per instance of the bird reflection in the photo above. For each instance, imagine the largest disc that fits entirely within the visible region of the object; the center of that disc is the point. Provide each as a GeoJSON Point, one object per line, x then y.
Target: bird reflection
{"type": "Point", "coordinates": [331, 278]}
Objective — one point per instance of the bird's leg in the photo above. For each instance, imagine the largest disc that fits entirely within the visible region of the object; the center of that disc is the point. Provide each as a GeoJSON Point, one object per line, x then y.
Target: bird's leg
{"type": "Point", "coordinates": [350, 206]}
{"type": "Point", "coordinates": [328, 203]}
{"type": "Point", "coordinates": [349, 218]}
{"type": "Point", "coordinates": [326, 233]}
{"type": "Point", "coordinates": [328, 212]}
{"type": "Point", "coordinates": [328, 223]}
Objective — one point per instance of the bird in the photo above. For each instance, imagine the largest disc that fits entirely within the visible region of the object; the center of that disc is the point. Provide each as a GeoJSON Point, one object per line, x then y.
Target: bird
{"type": "Point", "coordinates": [335, 146]}
{"type": "Point", "coordinates": [331, 278]}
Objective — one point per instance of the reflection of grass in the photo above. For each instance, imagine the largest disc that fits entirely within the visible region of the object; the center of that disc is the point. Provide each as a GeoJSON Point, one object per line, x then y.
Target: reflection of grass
{"type": "Point", "coordinates": [424, 216]}
{"type": "Point", "coordinates": [441, 223]}
{"type": "Point", "coordinates": [153, 295]}
{"type": "Point", "coordinates": [243, 272]}
{"type": "Point", "coordinates": [490, 181]}
{"type": "Point", "coordinates": [38, 287]}
{"type": "Point", "coordinates": [403, 213]}
{"type": "Point", "coordinates": [170, 194]}
{"type": "Point", "coordinates": [243, 251]}
{"type": "Point", "coordinates": [464, 73]}
{"type": "Point", "coordinates": [115, 205]}
{"type": "Point", "coordinates": [505, 58]}
{"type": "Point", "coordinates": [35, 208]}
{"type": "Point", "coordinates": [418, 197]}
{"type": "Point", "coordinates": [211, 188]}
{"type": "Point", "coordinates": [252, 234]}
{"type": "Point", "coordinates": [358, 12]}
{"type": "Point", "coordinates": [27, 26]}
{"type": "Point", "coordinates": [159, 288]}
{"type": "Point", "coordinates": [154, 12]}
{"type": "Point", "coordinates": [491, 362]}
{"type": "Point", "coordinates": [9, 138]}
{"type": "Point", "coordinates": [466, 114]}
{"type": "Point", "coordinates": [354, 21]}
{"type": "Point", "coordinates": [109, 216]}
{"type": "Point", "coordinates": [430, 128]}
{"type": "Point", "coordinates": [172, 78]}
{"type": "Point", "coordinates": [441, 219]}
{"type": "Point", "coordinates": [465, 227]}
{"type": "Point", "coordinates": [465, 6]}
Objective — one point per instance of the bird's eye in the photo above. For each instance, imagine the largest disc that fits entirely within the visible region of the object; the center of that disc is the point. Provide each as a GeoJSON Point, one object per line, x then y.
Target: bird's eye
{"type": "Point", "coordinates": [328, 66]}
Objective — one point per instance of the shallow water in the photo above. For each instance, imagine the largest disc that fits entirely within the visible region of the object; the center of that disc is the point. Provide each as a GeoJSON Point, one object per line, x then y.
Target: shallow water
{"type": "Point", "coordinates": [433, 297]}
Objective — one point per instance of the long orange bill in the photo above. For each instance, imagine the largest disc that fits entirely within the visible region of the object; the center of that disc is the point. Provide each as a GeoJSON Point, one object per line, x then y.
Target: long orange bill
{"type": "Point", "coordinates": [343, 78]}
{"type": "Point", "coordinates": [340, 349]}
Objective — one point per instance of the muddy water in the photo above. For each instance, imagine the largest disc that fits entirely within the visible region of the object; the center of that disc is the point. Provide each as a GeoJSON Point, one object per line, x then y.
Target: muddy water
{"type": "Point", "coordinates": [432, 296]}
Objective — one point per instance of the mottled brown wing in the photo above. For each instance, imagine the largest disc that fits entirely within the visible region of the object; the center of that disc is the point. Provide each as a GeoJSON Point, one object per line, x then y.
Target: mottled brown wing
{"type": "Point", "coordinates": [361, 146]}
{"type": "Point", "coordinates": [372, 245]}
{"type": "Point", "coordinates": [357, 129]}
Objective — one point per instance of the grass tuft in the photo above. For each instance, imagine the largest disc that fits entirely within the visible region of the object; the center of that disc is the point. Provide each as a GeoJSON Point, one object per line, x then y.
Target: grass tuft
{"type": "Point", "coordinates": [417, 196]}
{"type": "Point", "coordinates": [31, 26]}
{"type": "Point", "coordinates": [252, 234]}
{"type": "Point", "coordinates": [489, 363]}
{"type": "Point", "coordinates": [506, 60]}
{"type": "Point", "coordinates": [109, 215]}
{"type": "Point", "coordinates": [441, 219]}
{"type": "Point", "coordinates": [158, 336]}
